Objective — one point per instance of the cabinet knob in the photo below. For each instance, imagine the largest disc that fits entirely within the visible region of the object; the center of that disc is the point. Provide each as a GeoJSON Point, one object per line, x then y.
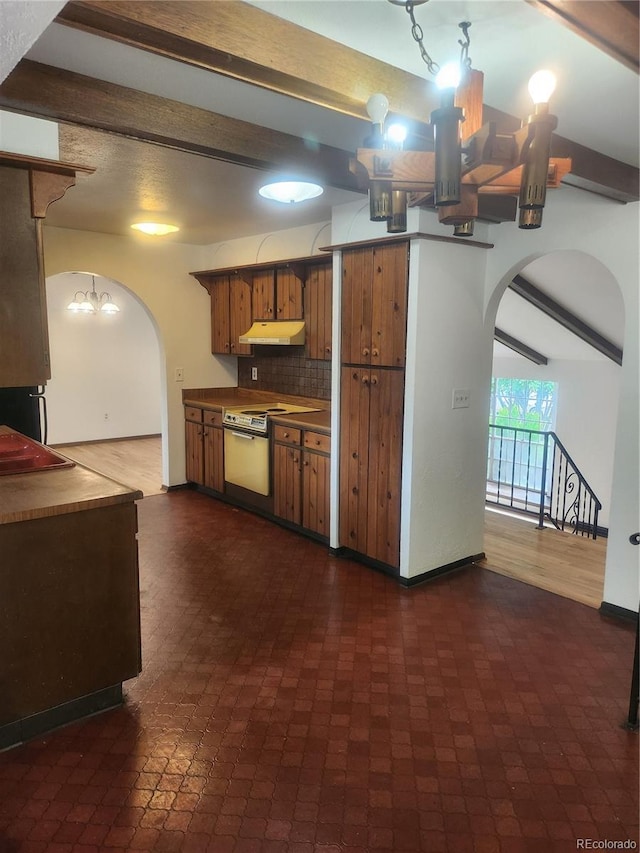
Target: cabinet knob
{"type": "Point", "coordinates": [305, 463]}
{"type": "Point", "coordinates": [365, 351]}
{"type": "Point", "coordinates": [226, 346]}
{"type": "Point", "coordinates": [269, 310]}
{"type": "Point", "coordinates": [354, 490]}
{"type": "Point", "coordinates": [318, 442]}
{"type": "Point", "coordinates": [286, 435]}
{"type": "Point", "coordinates": [375, 352]}
{"type": "Point", "coordinates": [365, 380]}
{"type": "Point", "coordinates": [327, 349]}
{"type": "Point", "coordinates": [374, 380]}
{"type": "Point", "coordinates": [233, 346]}
{"type": "Point", "coordinates": [354, 455]}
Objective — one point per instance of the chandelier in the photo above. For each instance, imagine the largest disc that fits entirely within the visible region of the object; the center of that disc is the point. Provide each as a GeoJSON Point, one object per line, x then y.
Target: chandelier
{"type": "Point", "coordinates": [88, 302]}
{"type": "Point", "coordinates": [459, 159]}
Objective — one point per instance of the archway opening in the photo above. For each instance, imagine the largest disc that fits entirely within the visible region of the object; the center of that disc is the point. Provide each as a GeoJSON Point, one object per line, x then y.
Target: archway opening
{"type": "Point", "coordinates": [106, 384]}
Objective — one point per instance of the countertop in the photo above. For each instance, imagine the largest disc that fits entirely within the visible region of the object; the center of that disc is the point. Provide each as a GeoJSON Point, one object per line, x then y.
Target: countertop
{"type": "Point", "coordinates": [221, 398]}
{"type": "Point", "coordinates": [37, 494]}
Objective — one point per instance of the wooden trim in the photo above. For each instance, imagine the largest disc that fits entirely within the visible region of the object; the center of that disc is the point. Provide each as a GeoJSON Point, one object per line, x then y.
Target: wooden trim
{"type": "Point", "coordinates": [565, 318]}
{"type": "Point", "coordinates": [611, 26]}
{"type": "Point", "coordinates": [264, 265]}
{"type": "Point", "coordinates": [40, 164]}
{"type": "Point", "coordinates": [466, 562]}
{"type": "Point", "coordinates": [617, 612]}
{"type": "Point", "coordinates": [400, 238]}
{"type": "Point", "coordinates": [519, 347]}
{"type": "Point", "coordinates": [65, 96]}
{"type": "Point", "coordinates": [243, 42]}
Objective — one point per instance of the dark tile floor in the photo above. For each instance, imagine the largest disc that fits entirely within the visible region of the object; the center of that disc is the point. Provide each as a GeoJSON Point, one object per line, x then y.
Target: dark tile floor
{"type": "Point", "coordinates": [296, 703]}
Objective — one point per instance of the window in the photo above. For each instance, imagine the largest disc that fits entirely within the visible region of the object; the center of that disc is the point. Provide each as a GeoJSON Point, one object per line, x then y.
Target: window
{"type": "Point", "coordinates": [524, 403]}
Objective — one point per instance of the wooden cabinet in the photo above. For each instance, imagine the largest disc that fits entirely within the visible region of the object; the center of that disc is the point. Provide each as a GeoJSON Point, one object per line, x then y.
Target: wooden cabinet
{"type": "Point", "coordinates": [374, 304]}
{"type": "Point", "coordinates": [230, 314]}
{"type": "Point", "coordinates": [264, 295]}
{"type": "Point", "coordinates": [317, 311]}
{"type": "Point", "coordinates": [301, 478]}
{"type": "Point", "coordinates": [370, 461]}
{"type": "Point", "coordinates": [204, 448]}
{"type": "Point", "coordinates": [277, 294]}
{"type": "Point", "coordinates": [27, 186]}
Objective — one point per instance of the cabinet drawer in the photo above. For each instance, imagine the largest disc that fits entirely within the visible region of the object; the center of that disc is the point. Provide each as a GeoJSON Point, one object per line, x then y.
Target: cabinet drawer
{"type": "Point", "coordinates": [212, 418]}
{"type": "Point", "coordinates": [287, 435]}
{"type": "Point", "coordinates": [193, 413]}
{"type": "Point", "coordinates": [317, 441]}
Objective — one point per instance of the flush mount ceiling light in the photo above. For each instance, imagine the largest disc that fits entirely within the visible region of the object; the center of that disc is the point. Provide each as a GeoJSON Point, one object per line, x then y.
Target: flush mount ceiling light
{"type": "Point", "coordinates": [459, 160]}
{"type": "Point", "coordinates": [156, 229]}
{"type": "Point", "coordinates": [88, 302]}
{"type": "Point", "coordinates": [291, 192]}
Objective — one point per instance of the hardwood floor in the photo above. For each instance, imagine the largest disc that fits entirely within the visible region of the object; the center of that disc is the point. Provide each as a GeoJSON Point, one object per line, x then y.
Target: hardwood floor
{"type": "Point", "coordinates": [568, 565]}
{"type": "Point", "coordinates": [136, 462]}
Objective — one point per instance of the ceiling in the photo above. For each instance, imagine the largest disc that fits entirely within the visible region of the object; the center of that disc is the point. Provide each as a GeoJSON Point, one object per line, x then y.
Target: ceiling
{"type": "Point", "coordinates": [214, 200]}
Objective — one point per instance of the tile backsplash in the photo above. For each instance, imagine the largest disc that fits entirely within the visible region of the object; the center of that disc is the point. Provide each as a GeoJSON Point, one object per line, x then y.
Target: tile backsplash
{"type": "Point", "coordinates": [286, 372]}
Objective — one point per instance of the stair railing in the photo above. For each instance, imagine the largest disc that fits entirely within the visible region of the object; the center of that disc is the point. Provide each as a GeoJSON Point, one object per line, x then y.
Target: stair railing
{"type": "Point", "coordinates": [531, 472]}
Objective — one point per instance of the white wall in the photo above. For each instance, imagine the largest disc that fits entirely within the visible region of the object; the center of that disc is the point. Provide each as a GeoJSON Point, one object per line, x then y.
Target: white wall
{"type": "Point", "coordinates": [587, 413]}
{"type": "Point", "coordinates": [275, 246]}
{"type": "Point", "coordinates": [157, 272]}
{"type": "Point", "coordinates": [607, 231]}
{"type": "Point", "coordinates": [105, 369]}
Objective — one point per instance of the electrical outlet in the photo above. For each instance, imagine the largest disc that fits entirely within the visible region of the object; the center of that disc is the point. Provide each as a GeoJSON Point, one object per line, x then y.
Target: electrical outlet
{"type": "Point", "coordinates": [179, 374]}
{"type": "Point", "coordinates": [460, 399]}
{"type": "Point", "coordinates": [254, 373]}
{"type": "Point", "coordinates": [106, 416]}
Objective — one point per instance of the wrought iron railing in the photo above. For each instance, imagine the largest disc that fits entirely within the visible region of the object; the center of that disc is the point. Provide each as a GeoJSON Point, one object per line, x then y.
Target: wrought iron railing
{"type": "Point", "coordinates": [531, 471]}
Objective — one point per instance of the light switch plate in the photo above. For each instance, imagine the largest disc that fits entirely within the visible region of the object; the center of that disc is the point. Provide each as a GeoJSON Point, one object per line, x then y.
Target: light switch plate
{"type": "Point", "coordinates": [179, 374]}
{"type": "Point", "coordinates": [461, 398]}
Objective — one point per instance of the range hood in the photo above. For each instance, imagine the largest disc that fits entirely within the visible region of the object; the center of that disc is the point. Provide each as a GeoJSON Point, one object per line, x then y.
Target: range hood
{"type": "Point", "coordinates": [280, 332]}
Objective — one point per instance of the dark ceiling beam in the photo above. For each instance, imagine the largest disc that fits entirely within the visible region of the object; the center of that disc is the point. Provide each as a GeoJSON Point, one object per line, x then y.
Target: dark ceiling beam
{"type": "Point", "coordinates": [612, 25]}
{"type": "Point", "coordinates": [243, 42]}
{"type": "Point", "coordinates": [565, 318]}
{"type": "Point", "coordinates": [519, 347]}
{"type": "Point", "coordinates": [71, 98]}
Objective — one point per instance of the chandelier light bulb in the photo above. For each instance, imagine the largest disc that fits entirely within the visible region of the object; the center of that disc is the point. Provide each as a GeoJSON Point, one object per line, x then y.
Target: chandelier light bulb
{"type": "Point", "coordinates": [541, 86]}
{"type": "Point", "coordinates": [396, 134]}
{"type": "Point", "coordinates": [377, 108]}
{"type": "Point", "coordinates": [449, 76]}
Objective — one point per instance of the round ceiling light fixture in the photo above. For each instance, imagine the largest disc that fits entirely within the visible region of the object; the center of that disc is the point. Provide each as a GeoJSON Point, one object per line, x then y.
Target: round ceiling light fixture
{"type": "Point", "coordinates": [156, 229]}
{"type": "Point", "coordinates": [291, 192]}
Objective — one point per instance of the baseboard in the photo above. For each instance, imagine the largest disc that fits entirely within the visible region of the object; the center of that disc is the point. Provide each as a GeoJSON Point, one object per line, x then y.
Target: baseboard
{"type": "Point", "coordinates": [179, 487]}
{"type": "Point", "coordinates": [617, 612]}
{"type": "Point", "coordinates": [105, 440]}
{"type": "Point", "coordinates": [442, 570]}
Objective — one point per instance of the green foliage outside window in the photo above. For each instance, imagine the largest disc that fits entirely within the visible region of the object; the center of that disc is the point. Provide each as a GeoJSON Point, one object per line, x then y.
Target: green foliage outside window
{"type": "Point", "coordinates": [524, 403]}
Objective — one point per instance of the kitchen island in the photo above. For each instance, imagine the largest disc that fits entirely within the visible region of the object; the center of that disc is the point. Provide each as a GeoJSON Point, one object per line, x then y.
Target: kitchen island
{"type": "Point", "coordinates": [69, 597]}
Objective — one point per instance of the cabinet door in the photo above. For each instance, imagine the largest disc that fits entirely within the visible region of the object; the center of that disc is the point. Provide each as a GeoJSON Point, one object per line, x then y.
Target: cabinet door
{"type": "Point", "coordinates": [389, 304]}
{"type": "Point", "coordinates": [354, 457]}
{"type": "Point", "coordinates": [213, 458]}
{"type": "Point", "coordinates": [194, 452]}
{"type": "Point", "coordinates": [287, 485]}
{"type": "Point", "coordinates": [315, 492]}
{"type": "Point", "coordinates": [263, 296]}
{"type": "Point", "coordinates": [288, 296]}
{"type": "Point", "coordinates": [357, 271]}
{"type": "Point", "coordinates": [239, 314]}
{"type": "Point", "coordinates": [317, 311]}
{"type": "Point", "coordinates": [220, 326]}
{"type": "Point", "coordinates": [24, 339]}
{"type": "Point", "coordinates": [386, 401]}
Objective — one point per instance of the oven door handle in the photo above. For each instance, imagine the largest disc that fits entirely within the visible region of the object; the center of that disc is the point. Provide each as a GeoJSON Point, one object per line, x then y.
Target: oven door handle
{"type": "Point", "coordinates": [244, 435]}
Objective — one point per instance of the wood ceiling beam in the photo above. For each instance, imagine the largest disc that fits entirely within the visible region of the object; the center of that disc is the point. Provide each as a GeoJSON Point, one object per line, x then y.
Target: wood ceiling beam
{"type": "Point", "coordinates": [67, 97]}
{"type": "Point", "coordinates": [519, 347]}
{"type": "Point", "coordinates": [611, 25]}
{"type": "Point", "coordinates": [243, 42]}
{"type": "Point", "coordinates": [566, 318]}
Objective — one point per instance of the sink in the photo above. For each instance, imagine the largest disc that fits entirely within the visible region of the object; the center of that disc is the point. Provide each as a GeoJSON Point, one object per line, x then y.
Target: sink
{"type": "Point", "coordinates": [19, 454]}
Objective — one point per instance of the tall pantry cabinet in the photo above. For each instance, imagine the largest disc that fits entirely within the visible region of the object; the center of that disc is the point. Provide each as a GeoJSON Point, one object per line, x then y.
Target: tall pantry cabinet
{"type": "Point", "coordinates": [374, 319]}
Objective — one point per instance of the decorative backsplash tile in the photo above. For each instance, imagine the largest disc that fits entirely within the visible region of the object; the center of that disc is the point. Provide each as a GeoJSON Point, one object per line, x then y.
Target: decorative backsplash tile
{"type": "Point", "coordinates": [286, 373]}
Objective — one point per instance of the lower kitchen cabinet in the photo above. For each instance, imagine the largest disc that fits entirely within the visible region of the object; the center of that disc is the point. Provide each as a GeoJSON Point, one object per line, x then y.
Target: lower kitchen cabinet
{"type": "Point", "coordinates": [370, 461]}
{"type": "Point", "coordinates": [204, 448]}
{"type": "Point", "coordinates": [301, 478]}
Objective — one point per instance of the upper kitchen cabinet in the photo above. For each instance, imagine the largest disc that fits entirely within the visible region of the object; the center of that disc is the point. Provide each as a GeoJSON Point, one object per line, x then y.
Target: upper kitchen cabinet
{"type": "Point", "coordinates": [230, 312]}
{"type": "Point", "coordinates": [374, 304]}
{"type": "Point", "coordinates": [264, 294]}
{"type": "Point", "coordinates": [27, 186]}
{"type": "Point", "coordinates": [317, 310]}
{"type": "Point", "coordinates": [277, 294]}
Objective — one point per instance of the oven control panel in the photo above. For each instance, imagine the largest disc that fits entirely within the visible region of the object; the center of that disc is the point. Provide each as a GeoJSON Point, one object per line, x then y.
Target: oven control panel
{"type": "Point", "coordinates": [246, 420]}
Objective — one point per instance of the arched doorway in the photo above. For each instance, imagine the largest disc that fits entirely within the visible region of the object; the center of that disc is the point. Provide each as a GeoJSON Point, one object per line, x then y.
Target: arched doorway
{"type": "Point", "coordinates": [107, 378]}
{"type": "Point", "coordinates": [554, 315]}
